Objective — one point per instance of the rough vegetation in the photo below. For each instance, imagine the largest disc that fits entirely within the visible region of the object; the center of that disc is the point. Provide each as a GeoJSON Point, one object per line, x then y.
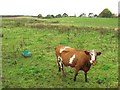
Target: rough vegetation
{"type": "Point", "coordinates": [41, 36]}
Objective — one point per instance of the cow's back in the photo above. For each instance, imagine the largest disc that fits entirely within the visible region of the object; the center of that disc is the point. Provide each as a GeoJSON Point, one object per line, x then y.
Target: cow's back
{"type": "Point", "coordinates": [57, 49]}
{"type": "Point", "coordinates": [67, 55]}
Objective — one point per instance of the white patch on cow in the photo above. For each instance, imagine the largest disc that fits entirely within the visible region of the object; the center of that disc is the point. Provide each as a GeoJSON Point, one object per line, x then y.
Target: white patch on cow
{"type": "Point", "coordinates": [71, 59]}
{"type": "Point", "coordinates": [60, 61]}
{"type": "Point", "coordinates": [91, 61]}
{"type": "Point", "coordinates": [93, 55]}
{"type": "Point", "coordinates": [59, 58]}
{"type": "Point", "coordinates": [61, 50]}
{"type": "Point", "coordinates": [60, 64]}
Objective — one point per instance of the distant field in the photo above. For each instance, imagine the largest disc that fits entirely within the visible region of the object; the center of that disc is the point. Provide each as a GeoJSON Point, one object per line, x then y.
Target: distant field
{"type": "Point", "coordinates": [69, 21]}
{"type": "Point", "coordinates": [89, 22]}
{"type": "Point", "coordinates": [41, 36]}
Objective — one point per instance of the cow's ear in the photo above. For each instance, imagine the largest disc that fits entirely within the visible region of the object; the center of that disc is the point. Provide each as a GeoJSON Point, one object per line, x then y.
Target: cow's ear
{"type": "Point", "coordinates": [87, 52]}
{"type": "Point", "coordinates": [98, 53]}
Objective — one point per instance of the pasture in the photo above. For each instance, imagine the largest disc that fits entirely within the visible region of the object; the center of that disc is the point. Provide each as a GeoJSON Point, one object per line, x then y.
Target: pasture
{"type": "Point", "coordinates": [41, 36]}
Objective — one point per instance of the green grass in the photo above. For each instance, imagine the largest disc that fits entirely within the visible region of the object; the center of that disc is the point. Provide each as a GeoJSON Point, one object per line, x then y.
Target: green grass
{"type": "Point", "coordinates": [40, 70]}
{"type": "Point", "coordinates": [68, 21]}
{"type": "Point", "coordinates": [88, 22]}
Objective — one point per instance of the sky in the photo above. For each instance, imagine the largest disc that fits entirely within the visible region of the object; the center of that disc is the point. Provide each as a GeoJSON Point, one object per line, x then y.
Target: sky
{"type": "Point", "coordinates": [45, 7]}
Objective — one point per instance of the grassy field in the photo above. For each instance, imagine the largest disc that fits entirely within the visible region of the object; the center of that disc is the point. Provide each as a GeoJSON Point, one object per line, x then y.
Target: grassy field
{"type": "Point", "coordinates": [41, 36]}
{"type": "Point", "coordinates": [88, 22]}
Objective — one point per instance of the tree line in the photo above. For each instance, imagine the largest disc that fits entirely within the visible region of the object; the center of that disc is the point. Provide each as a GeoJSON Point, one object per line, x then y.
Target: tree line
{"type": "Point", "coordinates": [106, 13]}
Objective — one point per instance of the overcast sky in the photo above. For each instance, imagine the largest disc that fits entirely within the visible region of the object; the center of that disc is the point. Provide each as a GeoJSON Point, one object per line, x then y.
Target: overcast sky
{"type": "Point", "coordinates": [44, 7]}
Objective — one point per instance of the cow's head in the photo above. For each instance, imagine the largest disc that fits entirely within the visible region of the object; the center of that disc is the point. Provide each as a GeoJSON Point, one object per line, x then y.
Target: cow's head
{"type": "Point", "coordinates": [93, 54]}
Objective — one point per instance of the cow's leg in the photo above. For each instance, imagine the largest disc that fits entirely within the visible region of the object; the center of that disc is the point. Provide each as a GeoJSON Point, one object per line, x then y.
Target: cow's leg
{"type": "Point", "coordinates": [64, 75]}
{"type": "Point", "coordinates": [85, 76]}
{"type": "Point", "coordinates": [59, 66]}
{"type": "Point", "coordinates": [59, 59]}
{"type": "Point", "coordinates": [76, 73]}
{"type": "Point", "coordinates": [77, 68]}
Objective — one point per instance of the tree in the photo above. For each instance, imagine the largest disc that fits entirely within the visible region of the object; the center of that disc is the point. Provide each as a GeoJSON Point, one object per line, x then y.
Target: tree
{"type": "Point", "coordinates": [82, 15]}
{"type": "Point", "coordinates": [65, 15]}
{"type": "Point", "coordinates": [95, 15]}
{"type": "Point", "coordinates": [106, 13]}
{"type": "Point", "coordinates": [40, 16]}
{"type": "Point", "coordinates": [91, 15]}
{"type": "Point", "coordinates": [52, 16]}
{"type": "Point", "coordinates": [58, 16]}
{"type": "Point", "coordinates": [49, 16]}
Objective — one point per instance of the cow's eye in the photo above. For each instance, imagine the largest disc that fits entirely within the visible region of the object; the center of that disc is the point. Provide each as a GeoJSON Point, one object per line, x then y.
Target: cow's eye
{"type": "Point", "coordinates": [91, 54]}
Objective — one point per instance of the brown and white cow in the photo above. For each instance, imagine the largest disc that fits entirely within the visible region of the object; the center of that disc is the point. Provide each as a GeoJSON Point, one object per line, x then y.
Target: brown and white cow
{"type": "Point", "coordinates": [80, 59]}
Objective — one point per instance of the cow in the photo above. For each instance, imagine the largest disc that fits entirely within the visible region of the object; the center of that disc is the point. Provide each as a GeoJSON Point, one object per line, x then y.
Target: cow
{"type": "Point", "coordinates": [78, 59]}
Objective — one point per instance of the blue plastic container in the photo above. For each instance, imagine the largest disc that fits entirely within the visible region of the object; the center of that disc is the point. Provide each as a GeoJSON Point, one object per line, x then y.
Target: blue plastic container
{"type": "Point", "coordinates": [26, 53]}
